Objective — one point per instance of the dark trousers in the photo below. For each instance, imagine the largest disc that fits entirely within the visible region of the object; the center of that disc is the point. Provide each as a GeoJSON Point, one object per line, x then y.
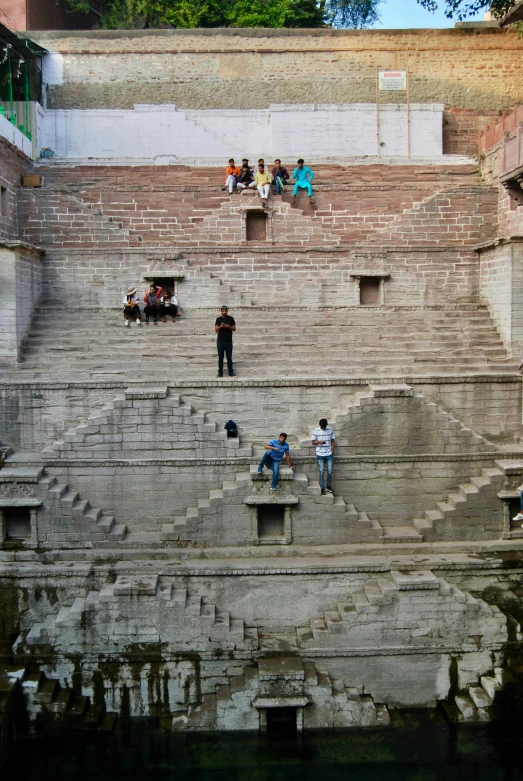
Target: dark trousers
{"type": "Point", "coordinates": [168, 309]}
{"type": "Point", "coordinates": [131, 312]}
{"type": "Point", "coordinates": [151, 309]}
{"type": "Point", "coordinates": [224, 348]}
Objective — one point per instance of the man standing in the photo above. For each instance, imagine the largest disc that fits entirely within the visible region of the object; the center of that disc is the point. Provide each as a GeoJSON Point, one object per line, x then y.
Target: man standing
{"type": "Point", "coordinates": [224, 327]}
{"type": "Point", "coordinates": [276, 449]}
{"type": "Point", "coordinates": [323, 437]}
{"type": "Point", "coordinates": [304, 176]}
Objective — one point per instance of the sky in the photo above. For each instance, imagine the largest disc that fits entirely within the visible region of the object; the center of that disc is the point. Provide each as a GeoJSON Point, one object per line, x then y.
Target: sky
{"type": "Point", "coordinates": [407, 13]}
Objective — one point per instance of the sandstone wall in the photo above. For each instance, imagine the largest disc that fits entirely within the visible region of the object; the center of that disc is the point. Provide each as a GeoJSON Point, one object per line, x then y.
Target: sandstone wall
{"type": "Point", "coordinates": [463, 68]}
{"type": "Point", "coordinates": [12, 165]}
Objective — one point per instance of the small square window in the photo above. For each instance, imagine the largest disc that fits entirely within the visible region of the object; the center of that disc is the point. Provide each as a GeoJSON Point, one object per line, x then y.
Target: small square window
{"type": "Point", "coordinates": [256, 226]}
{"type": "Point", "coordinates": [17, 522]}
{"type": "Point", "coordinates": [271, 522]}
{"type": "Point", "coordinates": [370, 291]}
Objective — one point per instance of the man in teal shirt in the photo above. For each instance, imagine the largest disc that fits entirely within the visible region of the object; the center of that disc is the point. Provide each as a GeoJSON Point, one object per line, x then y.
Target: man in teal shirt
{"type": "Point", "coordinates": [304, 176]}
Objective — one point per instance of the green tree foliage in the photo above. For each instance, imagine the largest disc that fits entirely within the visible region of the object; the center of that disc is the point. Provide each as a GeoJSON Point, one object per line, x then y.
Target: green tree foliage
{"type": "Point", "coordinates": [133, 14]}
{"type": "Point", "coordinates": [461, 9]}
{"type": "Point", "coordinates": [356, 14]}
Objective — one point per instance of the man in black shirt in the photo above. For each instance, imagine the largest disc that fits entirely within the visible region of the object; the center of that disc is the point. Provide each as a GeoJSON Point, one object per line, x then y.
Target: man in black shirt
{"type": "Point", "coordinates": [224, 326]}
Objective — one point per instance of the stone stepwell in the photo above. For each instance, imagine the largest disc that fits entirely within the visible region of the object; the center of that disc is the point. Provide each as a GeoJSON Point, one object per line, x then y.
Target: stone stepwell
{"type": "Point", "coordinates": [352, 342]}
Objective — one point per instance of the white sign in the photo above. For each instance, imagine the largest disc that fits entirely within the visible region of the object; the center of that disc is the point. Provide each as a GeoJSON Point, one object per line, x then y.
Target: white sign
{"type": "Point", "coordinates": [392, 80]}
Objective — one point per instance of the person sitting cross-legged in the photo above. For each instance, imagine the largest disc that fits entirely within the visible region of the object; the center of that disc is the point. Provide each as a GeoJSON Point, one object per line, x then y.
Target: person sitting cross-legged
{"type": "Point", "coordinates": [276, 449]}
{"type": "Point", "coordinates": [263, 181]}
{"type": "Point", "coordinates": [152, 299]}
{"type": "Point", "coordinates": [245, 179]}
{"type": "Point", "coordinates": [168, 305]}
{"type": "Point", "coordinates": [304, 176]}
{"type": "Point", "coordinates": [131, 307]}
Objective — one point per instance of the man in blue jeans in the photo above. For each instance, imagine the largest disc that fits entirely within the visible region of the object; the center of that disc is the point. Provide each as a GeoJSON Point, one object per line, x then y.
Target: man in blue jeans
{"type": "Point", "coordinates": [323, 437]}
{"type": "Point", "coordinates": [276, 449]}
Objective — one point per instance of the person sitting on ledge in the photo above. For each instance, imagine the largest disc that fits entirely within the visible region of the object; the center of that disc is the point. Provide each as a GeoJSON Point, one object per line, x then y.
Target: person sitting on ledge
{"type": "Point", "coordinates": [131, 307]}
{"type": "Point", "coordinates": [245, 179]}
{"type": "Point", "coordinates": [279, 176]}
{"type": "Point", "coordinates": [304, 176]}
{"type": "Point", "coordinates": [152, 298]}
{"type": "Point", "coordinates": [263, 181]}
{"type": "Point", "coordinates": [232, 173]}
{"type": "Point", "coordinates": [519, 516]}
{"type": "Point", "coordinates": [168, 305]}
{"type": "Point", "coordinates": [245, 164]}
{"type": "Point", "coordinates": [276, 449]}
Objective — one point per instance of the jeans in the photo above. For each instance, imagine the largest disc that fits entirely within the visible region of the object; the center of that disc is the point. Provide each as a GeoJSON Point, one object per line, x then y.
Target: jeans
{"type": "Point", "coordinates": [303, 186]}
{"type": "Point", "coordinates": [231, 182]}
{"type": "Point", "coordinates": [241, 186]}
{"type": "Point", "coordinates": [280, 184]}
{"type": "Point", "coordinates": [268, 460]}
{"type": "Point", "coordinates": [325, 462]}
{"type": "Point", "coordinates": [224, 348]}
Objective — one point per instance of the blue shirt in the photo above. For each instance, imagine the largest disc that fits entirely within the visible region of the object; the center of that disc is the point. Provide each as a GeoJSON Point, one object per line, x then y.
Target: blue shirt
{"type": "Point", "coordinates": [303, 175]}
{"type": "Point", "coordinates": [277, 455]}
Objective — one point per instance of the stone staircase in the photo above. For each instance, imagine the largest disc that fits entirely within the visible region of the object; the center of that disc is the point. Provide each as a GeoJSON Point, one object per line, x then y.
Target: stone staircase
{"type": "Point", "coordinates": [452, 434]}
{"type": "Point", "coordinates": [66, 519]}
{"type": "Point", "coordinates": [474, 704]}
{"type": "Point", "coordinates": [66, 344]}
{"type": "Point", "coordinates": [372, 615]}
{"type": "Point", "coordinates": [468, 506]}
{"type": "Point", "coordinates": [174, 430]}
{"type": "Point", "coordinates": [140, 609]}
{"type": "Point", "coordinates": [222, 517]}
{"type": "Point", "coordinates": [52, 706]}
{"type": "Point", "coordinates": [321, 701]}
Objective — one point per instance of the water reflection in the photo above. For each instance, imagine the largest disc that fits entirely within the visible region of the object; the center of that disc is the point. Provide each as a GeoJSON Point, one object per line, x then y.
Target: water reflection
{"type": "Point", "coordinates": [421, 746]}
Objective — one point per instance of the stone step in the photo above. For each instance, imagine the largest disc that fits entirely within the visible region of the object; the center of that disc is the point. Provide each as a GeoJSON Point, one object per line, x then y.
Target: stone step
{"type": "Point", "coordinates": [399, 534]}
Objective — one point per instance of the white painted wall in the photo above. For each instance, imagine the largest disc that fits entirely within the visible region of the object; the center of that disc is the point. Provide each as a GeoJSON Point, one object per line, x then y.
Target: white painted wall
{"type": "Point", "coordinates": [15, 137]}
{"type": "Point", "coordinates": [164, 134]}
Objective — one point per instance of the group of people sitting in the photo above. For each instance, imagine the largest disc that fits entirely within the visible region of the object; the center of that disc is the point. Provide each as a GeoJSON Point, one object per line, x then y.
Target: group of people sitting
{"type": "Point", "coordinates": [244, 177]}
{"type": "Point", "coordinates": [159, 303]}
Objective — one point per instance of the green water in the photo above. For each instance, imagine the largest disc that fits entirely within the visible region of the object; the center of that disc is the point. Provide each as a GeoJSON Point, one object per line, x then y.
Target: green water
{"type": "Point", "coordinates": [423, 748]}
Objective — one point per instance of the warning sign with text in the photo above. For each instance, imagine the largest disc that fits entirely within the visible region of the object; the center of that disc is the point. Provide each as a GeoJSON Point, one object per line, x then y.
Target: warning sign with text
{"type": "Point", "coordinates": [392, 80]}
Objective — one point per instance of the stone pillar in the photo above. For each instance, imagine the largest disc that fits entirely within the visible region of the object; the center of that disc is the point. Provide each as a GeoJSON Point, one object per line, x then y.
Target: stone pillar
{"type": "Point", "coordinates": [20, 290]}
{"type": "Point", "coordinates": [501, 288]}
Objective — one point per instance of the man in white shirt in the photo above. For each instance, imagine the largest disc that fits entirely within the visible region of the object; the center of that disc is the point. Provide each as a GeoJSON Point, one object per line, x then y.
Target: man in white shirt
{"type": "Point", "coordinates": [323, 437]}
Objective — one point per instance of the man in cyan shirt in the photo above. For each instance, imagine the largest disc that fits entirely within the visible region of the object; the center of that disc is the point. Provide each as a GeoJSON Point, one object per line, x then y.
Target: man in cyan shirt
{"type": "Point", "coordinates": [323, 437]}
{"type": "Point", "coordinates": [304, 176]}
{"type": "Point", "coordinates": [276, 449]}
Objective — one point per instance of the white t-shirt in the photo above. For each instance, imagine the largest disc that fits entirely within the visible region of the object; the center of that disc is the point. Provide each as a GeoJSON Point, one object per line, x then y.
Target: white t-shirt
{"type": "Point", "coordinates": [325, 437]}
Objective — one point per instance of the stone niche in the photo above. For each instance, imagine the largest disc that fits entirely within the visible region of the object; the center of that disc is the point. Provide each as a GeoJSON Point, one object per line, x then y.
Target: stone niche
{"type": "Point", "coordinates": [271, 520]}
{"type": "Point", "coordinates": [371, 287]}
{"type": "Point", "coordinates": [256, 224]}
